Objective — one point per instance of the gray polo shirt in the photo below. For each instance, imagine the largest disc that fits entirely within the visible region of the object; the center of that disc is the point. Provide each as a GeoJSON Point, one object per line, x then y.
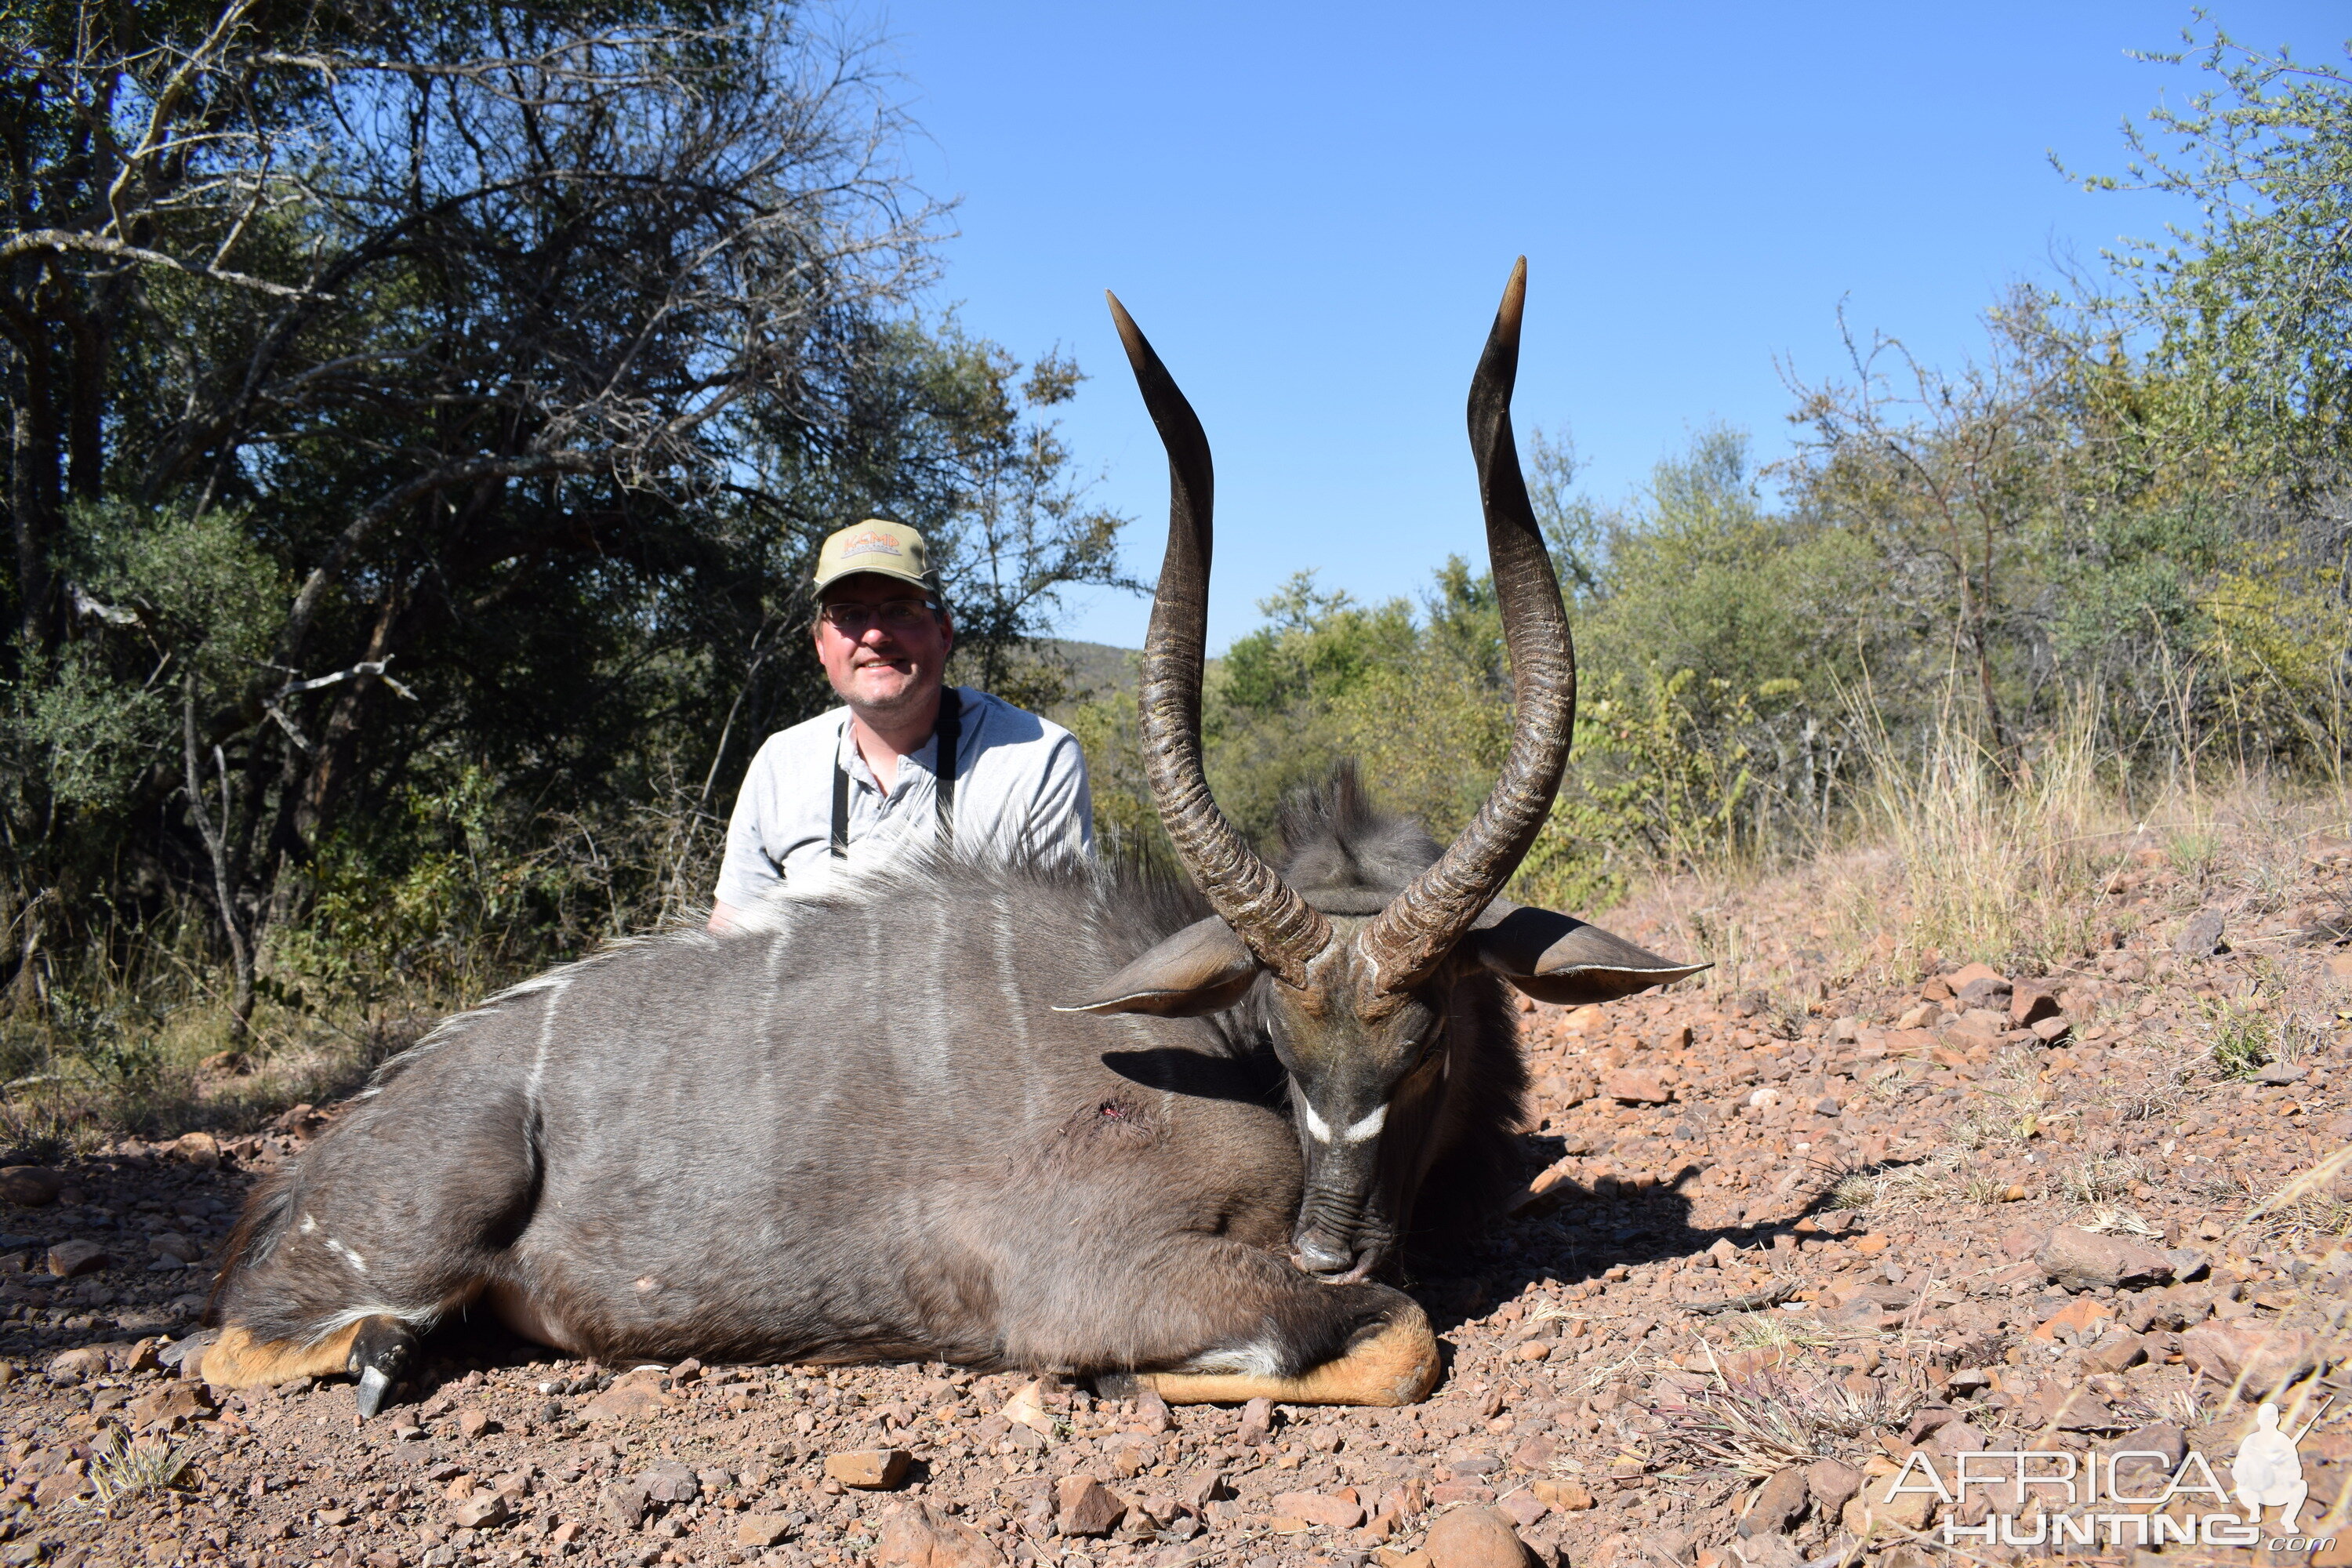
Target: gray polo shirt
{"type": "Point", "coordinates": [1020, 793]}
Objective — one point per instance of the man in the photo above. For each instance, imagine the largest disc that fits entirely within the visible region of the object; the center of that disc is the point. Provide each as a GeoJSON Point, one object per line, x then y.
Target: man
{"type": "Point", "coordinates": [857, 785]}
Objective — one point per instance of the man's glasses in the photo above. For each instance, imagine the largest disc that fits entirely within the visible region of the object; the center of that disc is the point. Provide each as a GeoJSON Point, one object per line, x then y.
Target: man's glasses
{"type": "Point", "coordinates": [851, 618]}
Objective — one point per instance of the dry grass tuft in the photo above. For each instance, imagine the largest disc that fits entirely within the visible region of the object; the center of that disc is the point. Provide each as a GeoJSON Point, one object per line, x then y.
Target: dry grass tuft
{"type": "Point", "coordinates": [1775, 1332]}
{"type": "Point", "coordinates": [1900, 1189]}
{"type": "Point", "coordinates": [1763, 1424]}
{"type": "Point", "coordinates": [2115, 1222]}
{"type": "Point", "coordinates": [120, 1470]}
{"type": "Point", "coordinates": [1988, 863]}
{"type": "Point", "coordinates": [2101, 1181]}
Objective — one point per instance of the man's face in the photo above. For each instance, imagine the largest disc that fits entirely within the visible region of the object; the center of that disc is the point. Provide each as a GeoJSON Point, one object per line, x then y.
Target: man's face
{"type": "Point", "coordinates": [875, 664]}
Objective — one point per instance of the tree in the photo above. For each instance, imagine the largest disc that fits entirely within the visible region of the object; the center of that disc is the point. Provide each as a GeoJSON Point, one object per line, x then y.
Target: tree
{"type": "Point", "coordinates": [522, 350]}
{"type": "Point", "coordinates": [2251, 308]}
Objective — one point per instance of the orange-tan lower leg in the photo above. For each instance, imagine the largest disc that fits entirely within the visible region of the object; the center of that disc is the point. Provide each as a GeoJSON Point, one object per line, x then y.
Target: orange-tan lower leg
{"type": "Point", "coordinates": [238, 1360]}
{"type": "Point", "coordinates": [1398, 1365]}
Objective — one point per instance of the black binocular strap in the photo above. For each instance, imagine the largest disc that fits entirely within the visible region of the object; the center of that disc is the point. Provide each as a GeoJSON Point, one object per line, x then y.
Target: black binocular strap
{"type": "Point", "coordinates": [949, 731]}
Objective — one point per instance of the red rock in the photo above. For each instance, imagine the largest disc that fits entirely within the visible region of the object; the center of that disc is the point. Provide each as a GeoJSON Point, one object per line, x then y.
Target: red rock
{"type": "Point", "coordinates": [1474, 1538]}
{"type": "Point", "coordinates": [180, 1248]}
{"type": "Point", "coordinates": [30, 1186]}
{"type": "Point", "coordinates": [1567, 1497]}
{"type": "Point", "coordinates": [70, 1259]}
{"type": "Point", "coordinates": [171, 1406]}
{"type": "Point", "coordinates": [672, 1482]}
{"type": "Point", "coordinates": [2072, 1319]}
{"type": "Point", "coordinates": [1405, 1501]}
{"type": "Point", "coordinates": [2080, 1260]}
{"type": "Point", "coordinates": [2031, 1003]}
{"type": "Point", "coordinates": [200, 1150]}
{"type": "Point", "coordinates": [304, 1121]}
{"type": "Point", "coordinates": [625, 1502]}
{"type": "Point", "coordinates": [1084, 1506]}
{"type": "Point", "coordinates": [1878, 1506]}
{"type": "Point", "coordinates": [636, 1396]}
{"type": "Point", "coordinates": [2256, 1358]}
{"type": "Point", "coordinates": [761, 1529]}
{"type": "Point", "coordinates": [482, 1512]}
{"type": "Point", "coordinates": [1832, 1483]}
{"type": "Point", "coordinates": [1331, 1512]}
{"type": "Point", "coordinates": [2116, 1353]}
{"type": "Point", "coordinates": [1524, 1508]}
{"type": "Point", "coordinates": [917, 1535]}
{"type": "Point", "coordinates": [1636, 1087]}
{"type": "Point", "coordinates": [1960, 979]}
{"type": "Point", "coordinates": [1778, 1503]}
{"type": "Point", "coordinates": [472, 1424]}
{"type": "Point", "coordinates": [1203, 1489]}
{"type": "Point", "coordinates": [869, 1469]}
{"type": "Point", "coordinates": [1027, 1408]}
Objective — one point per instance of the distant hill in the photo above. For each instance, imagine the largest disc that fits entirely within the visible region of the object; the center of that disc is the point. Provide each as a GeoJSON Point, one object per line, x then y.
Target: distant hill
{"type": "Point", "coordinates": [1096, 670]}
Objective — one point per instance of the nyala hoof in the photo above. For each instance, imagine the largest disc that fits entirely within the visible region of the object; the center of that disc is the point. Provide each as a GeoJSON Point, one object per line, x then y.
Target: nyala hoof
{"type": "Point", "coordinates": [379, 1356]}
{"type": "Point", "coordinates": [1118, 1385]}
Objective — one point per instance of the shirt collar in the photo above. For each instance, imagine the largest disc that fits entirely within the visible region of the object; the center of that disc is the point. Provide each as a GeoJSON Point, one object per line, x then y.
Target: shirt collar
{"type": "Point", "coordinates": [923, 759]}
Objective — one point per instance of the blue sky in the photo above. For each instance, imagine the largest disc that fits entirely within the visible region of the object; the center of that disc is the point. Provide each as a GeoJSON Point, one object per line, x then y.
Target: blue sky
{"type": "Point", "coordinates": [1312, 210]}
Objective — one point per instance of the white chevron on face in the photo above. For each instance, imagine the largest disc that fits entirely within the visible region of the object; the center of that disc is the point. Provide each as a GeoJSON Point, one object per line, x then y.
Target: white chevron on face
{"type": "Point", "coordinates": [1355, 1132]}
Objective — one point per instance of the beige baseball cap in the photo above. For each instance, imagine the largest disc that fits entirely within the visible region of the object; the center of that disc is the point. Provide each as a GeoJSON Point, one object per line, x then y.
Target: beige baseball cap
{"type": "Point", "coordinates": [877, 545]}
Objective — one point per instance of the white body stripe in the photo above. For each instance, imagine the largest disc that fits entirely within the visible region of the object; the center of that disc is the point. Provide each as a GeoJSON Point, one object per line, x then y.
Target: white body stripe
{"type": "Point", "coordinates": [1257, 1359]}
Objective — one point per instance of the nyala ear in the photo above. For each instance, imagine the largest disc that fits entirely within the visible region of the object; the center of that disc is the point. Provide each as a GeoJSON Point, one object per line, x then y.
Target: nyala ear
{"type": "Point", "coordinates": [1205, 968]}
{"type": "Point", "coordinates": [1556, 958]}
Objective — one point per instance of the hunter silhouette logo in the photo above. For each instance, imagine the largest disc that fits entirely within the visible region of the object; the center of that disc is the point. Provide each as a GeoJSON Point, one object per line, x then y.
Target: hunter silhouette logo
{"type": "Point", "coordinates": [2268, 1471]}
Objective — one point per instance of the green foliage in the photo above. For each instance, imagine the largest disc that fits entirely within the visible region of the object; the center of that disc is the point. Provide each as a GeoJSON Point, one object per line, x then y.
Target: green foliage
{"type": "Point", "coordinates": [162, 599]}
{"type": "Point", "coordinates": [2244, 1039]}
{"type": "Point", "coordinates": [450, 459]}
{"type": "Point", "coordinates": [1273, 715]}
{"type": "Point", "coordinates": [86, 733]}
{"type": "Point", "coordinates": [201, 587]}
{"type": "Point", "coordinates": [1664, 772]}
{"type": "Point", "coordinates": [1313, 643]}
{"type": "Point", "coordinates": [2252, 308]}
{"type": "Point", "coordinates": [438, 899]}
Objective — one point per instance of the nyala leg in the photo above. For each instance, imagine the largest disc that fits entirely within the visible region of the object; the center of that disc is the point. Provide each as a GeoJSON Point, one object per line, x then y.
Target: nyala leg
{"type": "Point", "coordinates": [379, 1354]}
{"type": "Point", "coordinates": [238, 1360]}
{"type": "Point", "coordinates": [1392, 1360]}
{"type": "Point", "coordinates": [375, 1350]}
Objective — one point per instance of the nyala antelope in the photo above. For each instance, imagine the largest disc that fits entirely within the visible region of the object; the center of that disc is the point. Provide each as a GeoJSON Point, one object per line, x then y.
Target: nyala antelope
{"type": "Point", "coordinates": [1041, 1117]}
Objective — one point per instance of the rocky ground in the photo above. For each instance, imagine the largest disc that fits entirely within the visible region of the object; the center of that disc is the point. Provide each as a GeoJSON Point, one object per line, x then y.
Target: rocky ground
{"type": "Point", "coordinates": [1774, 1242]}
